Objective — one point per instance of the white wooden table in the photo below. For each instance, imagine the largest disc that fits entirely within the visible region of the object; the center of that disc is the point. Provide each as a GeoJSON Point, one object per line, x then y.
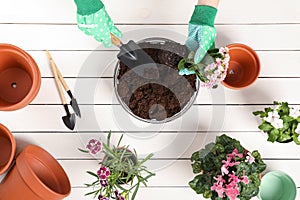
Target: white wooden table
{"type": "Point", "coordinates": [271, 27]}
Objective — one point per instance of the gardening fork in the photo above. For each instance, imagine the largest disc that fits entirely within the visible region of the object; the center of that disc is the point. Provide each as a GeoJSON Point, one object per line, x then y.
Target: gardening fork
{"type": "Point", "coordinates": [70, 119]}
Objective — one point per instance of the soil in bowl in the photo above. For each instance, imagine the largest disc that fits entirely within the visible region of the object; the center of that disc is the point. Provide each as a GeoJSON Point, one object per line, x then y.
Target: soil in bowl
{"type": "Point", "coordinates": [160, 98]}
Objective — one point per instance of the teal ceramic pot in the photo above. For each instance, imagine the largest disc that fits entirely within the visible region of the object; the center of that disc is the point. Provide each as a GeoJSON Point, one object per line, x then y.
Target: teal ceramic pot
{"type": "Point", "coordinates": [277, 185]}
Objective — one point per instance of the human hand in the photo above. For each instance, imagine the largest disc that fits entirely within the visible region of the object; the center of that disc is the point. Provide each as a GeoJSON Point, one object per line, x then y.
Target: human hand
{"type": "Point", "coordinates": [202, 33]}
{"type": "Point", "coordinates": [93, 20]}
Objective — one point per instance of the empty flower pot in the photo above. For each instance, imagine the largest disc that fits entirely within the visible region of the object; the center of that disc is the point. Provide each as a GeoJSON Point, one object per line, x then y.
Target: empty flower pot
{"type": "Point", "coordinates": [244, 67]}
{"type": "Point", "coordinates": [35, 176]}
{"type": "Point", "coordinates": [20, 78]}
{"type": "Point", "coordinates": [7, 149]}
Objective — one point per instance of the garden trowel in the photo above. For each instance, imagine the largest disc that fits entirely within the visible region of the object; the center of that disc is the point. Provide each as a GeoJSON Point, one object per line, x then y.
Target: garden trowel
{"type": "Point", "coordinates": [134, 57]}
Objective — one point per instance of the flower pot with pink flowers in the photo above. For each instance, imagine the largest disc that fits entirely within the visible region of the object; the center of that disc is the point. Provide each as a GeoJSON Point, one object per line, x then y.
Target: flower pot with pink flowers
{"type": "Point", "coordinates": [120, 173]}
{"type": "Point", "coordinates": [226, 170]}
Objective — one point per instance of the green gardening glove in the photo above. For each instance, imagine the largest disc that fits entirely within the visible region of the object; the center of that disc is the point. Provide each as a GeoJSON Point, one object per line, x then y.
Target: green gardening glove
{"type": "Point", "coordinates": [202, 33]}
{"type": "Point", "coordinates": [93, 20]}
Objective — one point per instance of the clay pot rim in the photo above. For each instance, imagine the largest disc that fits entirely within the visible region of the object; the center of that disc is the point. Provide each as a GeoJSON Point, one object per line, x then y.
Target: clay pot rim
{"type": "Point", "coordinates": [40, 187]}
{"type": "Point", "coordinates": [36, 79]}
{"type": "Point", "coordinates": [253, 55]}
{"type": "Point", "coordinates": [13, 147]}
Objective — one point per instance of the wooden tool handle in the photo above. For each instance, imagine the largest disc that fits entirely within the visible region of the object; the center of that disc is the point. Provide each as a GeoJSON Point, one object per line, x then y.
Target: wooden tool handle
{"type": "Point", "coordinates": [54, 71]}
{"type": "Point", "coordinates": [115, 40]}
{"type": "Point", "coordinates": [60, 76]}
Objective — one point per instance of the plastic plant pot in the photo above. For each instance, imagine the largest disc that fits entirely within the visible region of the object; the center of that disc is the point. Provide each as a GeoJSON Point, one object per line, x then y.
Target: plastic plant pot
{"type": "Point", "coordinates": [35, 176]}
{"type": "Point", "coordinates": [184, 107]}
{"type": "Point", "coordinates": [277, 185]}
{"type": "Point", "coordinates": [244, 67]}
{"type": "Point", "coordinates": [7, 148]}
{"type": "Point", "coordinates": [20, 78]}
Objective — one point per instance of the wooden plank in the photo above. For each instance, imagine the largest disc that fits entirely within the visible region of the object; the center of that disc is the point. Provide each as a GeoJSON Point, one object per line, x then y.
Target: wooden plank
{"type": "Point", "coordinates": [102, 92]}
{"type": "Point", "coordinates": [159, 143]}
{"type": "Point", "coordinates": [102, 63]}
{"type": "Point", "coordinates": [164, 169]}
{"type": "Point", "coordinates": [68, 37]}
{"type": "Point", "coordinates": [107, 117]}
{"type": "Point", "coordinates": [150, 194]}
{"type": "Point", "coordinates": [155, 11]}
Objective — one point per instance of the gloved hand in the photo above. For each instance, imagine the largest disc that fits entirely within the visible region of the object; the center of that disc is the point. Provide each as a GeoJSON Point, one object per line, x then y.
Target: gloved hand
{"type": "Point", "coordinates": [202, 33]}
{"type": "Point", "coordinates": [93, 20]}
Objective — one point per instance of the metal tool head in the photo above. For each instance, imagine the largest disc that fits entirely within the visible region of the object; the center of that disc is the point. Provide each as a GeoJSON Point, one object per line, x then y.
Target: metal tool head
{"type": "Point", "coordinates": [70, 119]}
{"type": "Point", "coordinates": [75, 107]}
{"type": "Point", "coordinates": [134, 57]}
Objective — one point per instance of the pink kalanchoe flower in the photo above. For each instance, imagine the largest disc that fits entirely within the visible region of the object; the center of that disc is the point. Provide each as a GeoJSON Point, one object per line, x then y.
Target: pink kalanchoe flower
{"type": "Point", "coordinates": [232, 192]}
{"type": "Point", "coordinates": [233, 179]}
{"type": "Point", "coordinates": [218, 189]}
{"type": "Point", "coordinates": [224, 170]}
{"type": "Point", "coordinates": [235, 153]}
{"type": "Point", "coordinates": [94, 146]}
{"type": "Point", "coordinates": [245, 180]}
{"type": "Point", "coordinates": [249, 158]}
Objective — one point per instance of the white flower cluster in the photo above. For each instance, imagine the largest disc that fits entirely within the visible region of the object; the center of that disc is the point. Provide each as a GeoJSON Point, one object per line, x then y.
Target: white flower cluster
{"type": "Point", "coordinates": [274, 119]}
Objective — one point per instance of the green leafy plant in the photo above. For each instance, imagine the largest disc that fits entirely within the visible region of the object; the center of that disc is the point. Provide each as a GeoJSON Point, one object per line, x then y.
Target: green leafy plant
{"type": "Point", "coordinates": [211, 70]}
{"type": "Point", "coordinates": [226, 170]}
{"type": "Point", "coordinates": [280, 122]}
{"type": "Point", "coordinates": [120, 173]}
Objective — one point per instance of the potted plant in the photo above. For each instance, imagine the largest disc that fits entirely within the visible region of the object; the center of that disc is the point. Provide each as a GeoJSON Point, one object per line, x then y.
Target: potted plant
{"type": "Point", "coordinates": [20, 78]}
{"type": "Point", "coordinates": [226, 170]}
{"type": "Point", "coordinates": [120, 172]}
{"type": "Point", "coordinates": [280, 122]}
{"type": "Point", "coordinates": [35, 176]}
{"type": "Point", "coordinates": [211, 70]}
{"type": "Point", "coordinates": [164, 98]}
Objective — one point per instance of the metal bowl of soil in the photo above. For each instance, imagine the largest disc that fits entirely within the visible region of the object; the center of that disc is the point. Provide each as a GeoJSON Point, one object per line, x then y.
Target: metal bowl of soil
{"type": "Point", "coordinates": [160, 99]}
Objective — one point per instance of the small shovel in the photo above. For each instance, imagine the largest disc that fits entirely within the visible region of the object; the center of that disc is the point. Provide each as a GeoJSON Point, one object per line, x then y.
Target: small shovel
{"type": "Point", "coordinates": [73, 101]}
{"type": "Point", "coordinates": [70, 119]}
{"type": "Point", "coordinates": [136, 58]}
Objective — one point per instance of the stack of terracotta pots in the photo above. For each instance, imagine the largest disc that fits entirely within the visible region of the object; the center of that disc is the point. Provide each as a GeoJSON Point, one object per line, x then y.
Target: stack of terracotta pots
{"type": "Point", "coordinates": [34, 174]}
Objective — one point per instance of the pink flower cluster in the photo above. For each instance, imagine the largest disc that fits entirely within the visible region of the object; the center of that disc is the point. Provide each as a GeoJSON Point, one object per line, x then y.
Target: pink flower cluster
{"type": "Point", "coordinates": [103, 174]}
{"type": "Point", "coordinates": [216, 72]}
{"type": "Point", "coordinates": [230, 188]}
{"type": "Point", "coordinates": [94, 146]}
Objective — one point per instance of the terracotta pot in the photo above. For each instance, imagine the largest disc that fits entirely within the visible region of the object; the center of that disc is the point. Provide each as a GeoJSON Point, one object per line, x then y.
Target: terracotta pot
{"type": "Point", "coordinates": [7, 149]}
{"type": "Point", "coordinates": [244, 67]}
{"type": "Point", "coordinates": [36, 176]}
{"type": "Point", "coordinates": [20, 78]}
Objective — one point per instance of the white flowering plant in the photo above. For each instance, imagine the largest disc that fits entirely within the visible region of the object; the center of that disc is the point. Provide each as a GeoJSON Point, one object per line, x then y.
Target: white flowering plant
{"type": "Point", "coordinates": [211, 70]}
{"type": "Point", "coordinates": [281, 123]}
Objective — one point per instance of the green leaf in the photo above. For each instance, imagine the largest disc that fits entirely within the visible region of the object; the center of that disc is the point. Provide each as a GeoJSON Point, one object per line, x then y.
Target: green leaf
{"type": "Point", "coordinates": [84, 151]}
{"type": "Point", "coordinates": [266, 126]}
{"type": "Point", "coordinates": [93, 174]}
{"type": "Point", "coordinates": [296, 139]}
{"type": "Point", "coordinates": [284, 137]}
{"type": "Point", "coordinates": [287, 118]}
{"type": "Point", "coordinates": [273, 135]}
{"type": "Point", "coordinates": [181, 64]}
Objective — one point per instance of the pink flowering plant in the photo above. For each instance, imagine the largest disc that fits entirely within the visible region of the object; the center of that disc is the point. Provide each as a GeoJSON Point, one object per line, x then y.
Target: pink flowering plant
{"type": "Point", "coordinates": [211, 70]}
{"type": "Point", "coordinates": [226, 170]}
{"type": "Point", "coordinates": [281, 122]}
{"type": "Point", "coordinates": [120, 172]}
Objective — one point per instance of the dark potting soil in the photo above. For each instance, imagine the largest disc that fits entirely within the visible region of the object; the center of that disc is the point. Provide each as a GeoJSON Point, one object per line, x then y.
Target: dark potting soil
{"type": "Point", "coordinates": [164, 96]}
